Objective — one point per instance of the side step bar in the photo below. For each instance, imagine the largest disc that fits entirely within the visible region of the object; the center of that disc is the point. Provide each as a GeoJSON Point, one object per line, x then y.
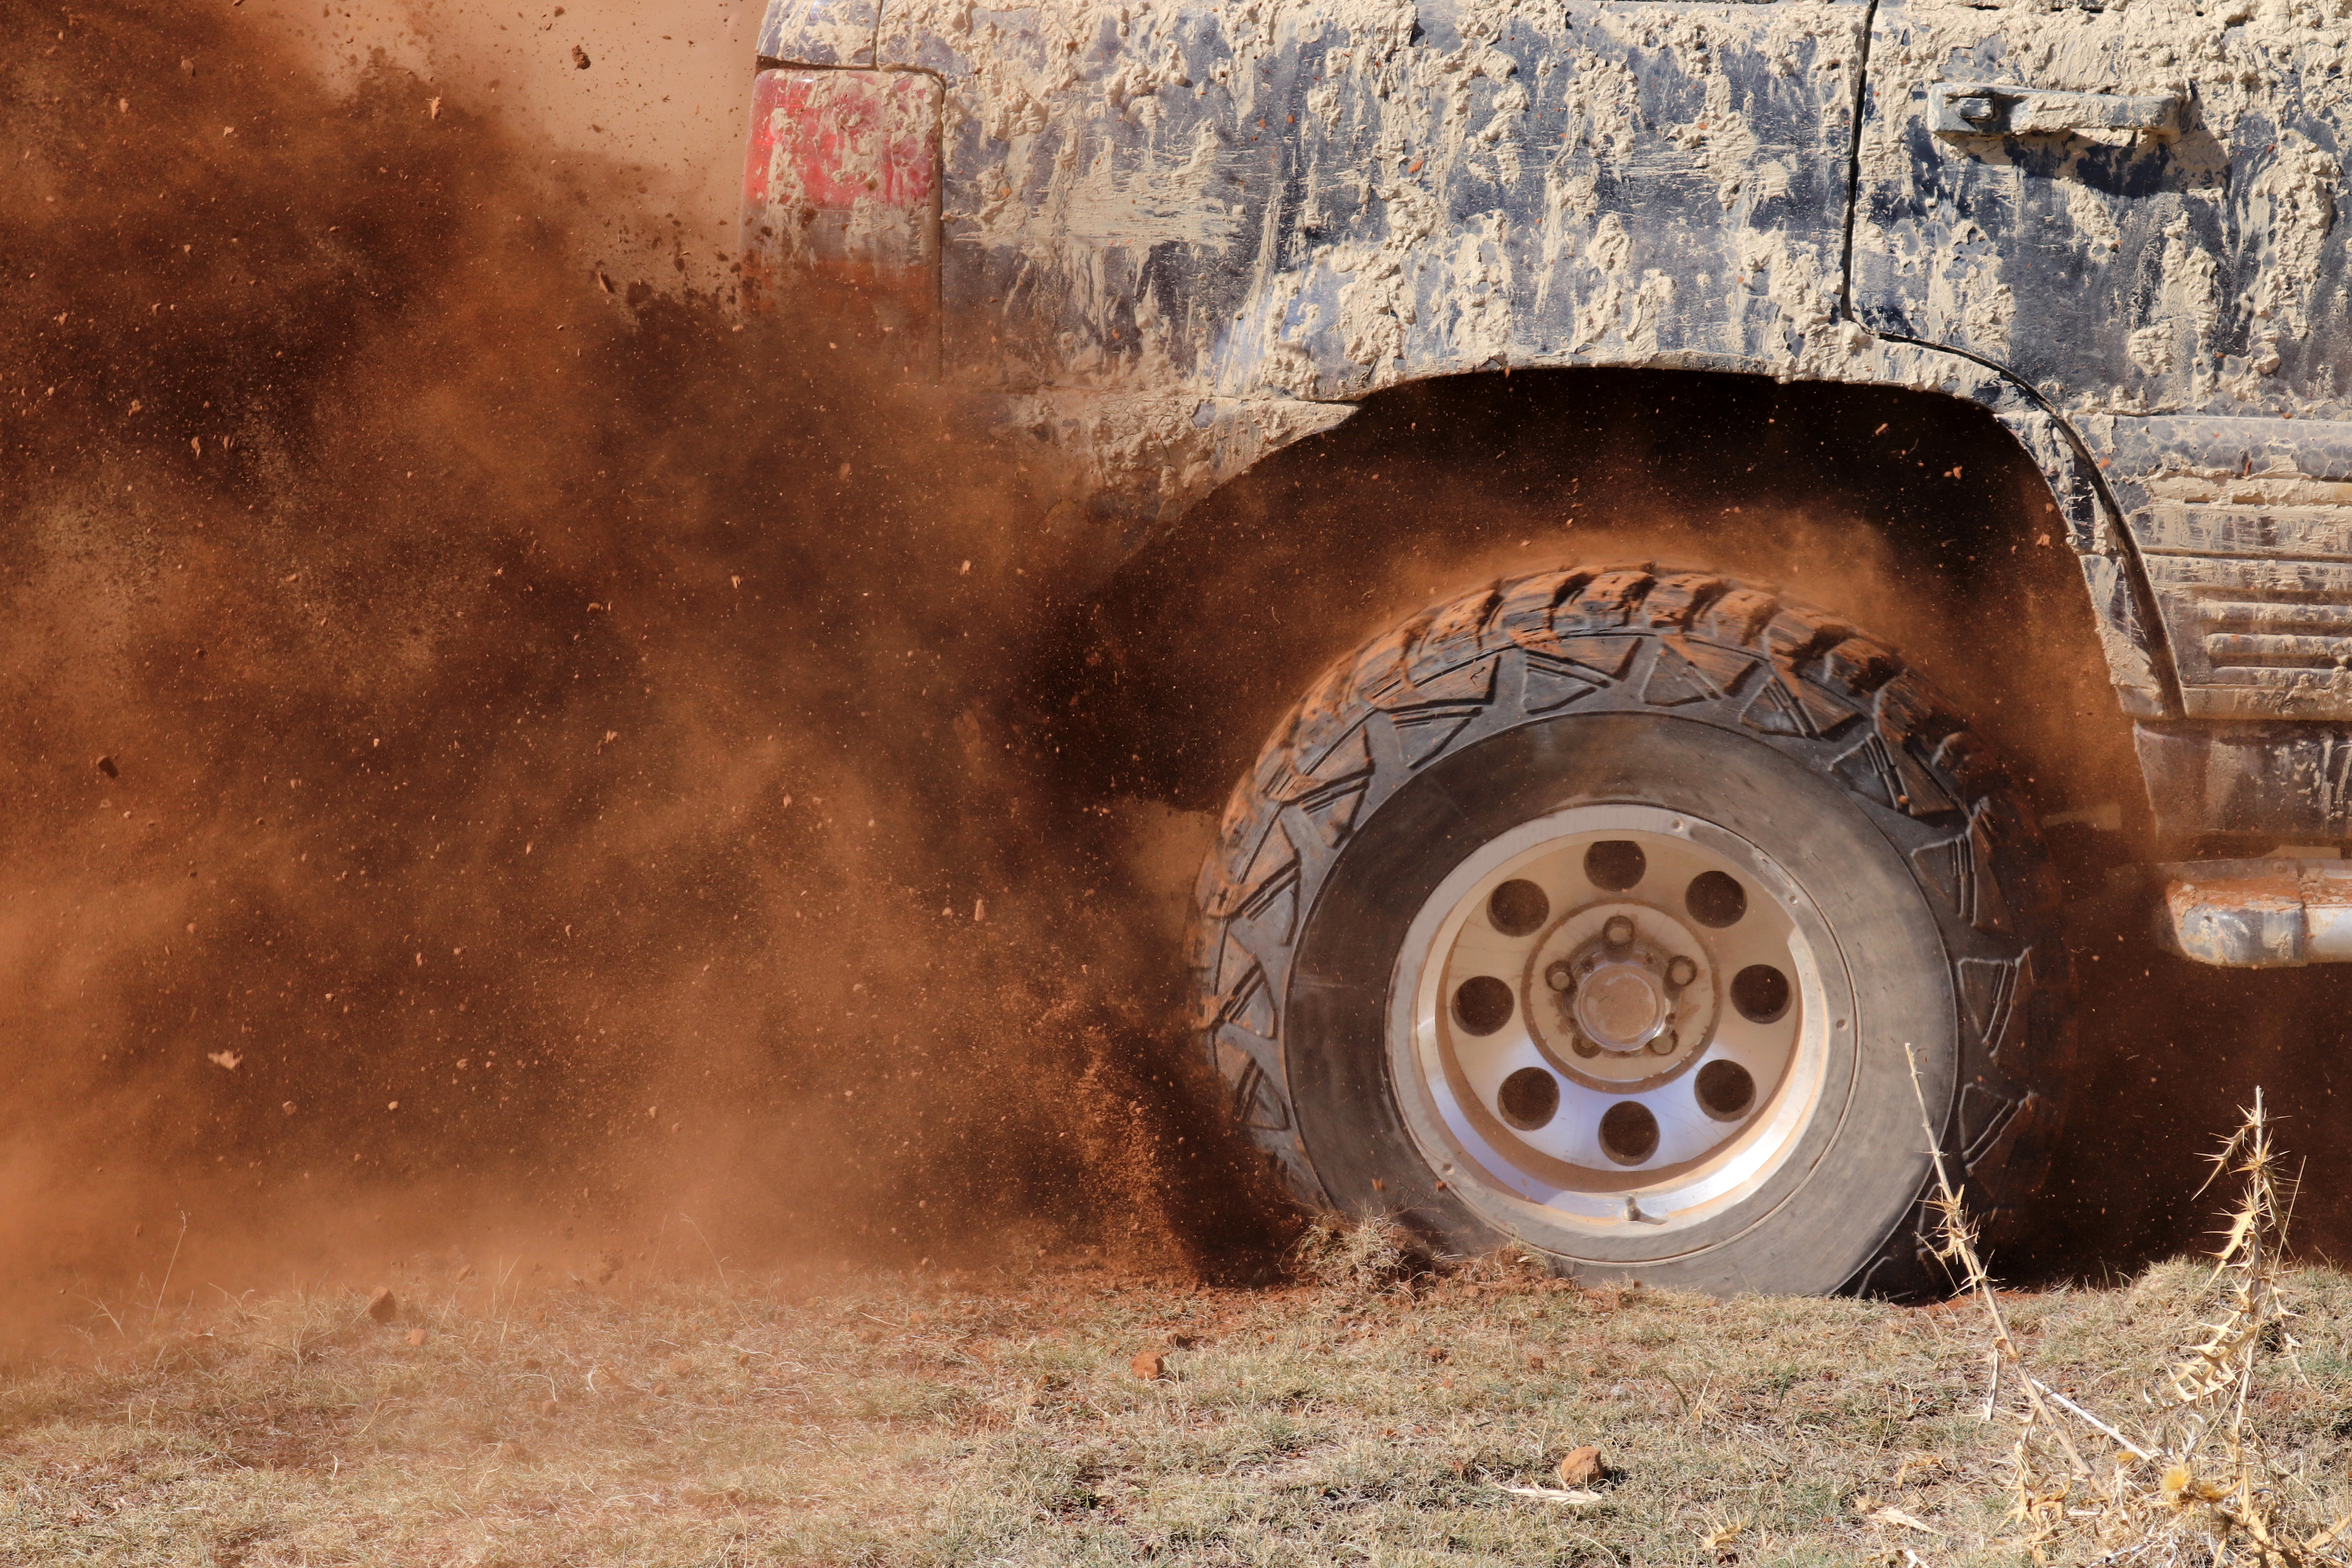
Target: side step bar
{"type": "Point", "coordinates": [2257, 915]}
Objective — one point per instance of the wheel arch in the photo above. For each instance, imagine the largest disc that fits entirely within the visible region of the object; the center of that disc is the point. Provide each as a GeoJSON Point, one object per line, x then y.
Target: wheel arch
{"type": "Point", "coordinates": [1940, 479]}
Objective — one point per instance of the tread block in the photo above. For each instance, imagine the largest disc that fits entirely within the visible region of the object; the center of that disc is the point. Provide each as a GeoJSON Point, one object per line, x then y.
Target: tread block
{"type": "Point", "coordinates": [2024, 1123]}
{"type": "Point", "coordinates": [1950, 868]}
{"type": "Point", "coordinates": [1471, 685]}
{"type": "Point", "coordinates": [1775, 711]}
{"type": "Point", "coordinates": [1602, 657]}
{"type": "Point", "coordinates": [1249, 1006]}
{"type": "Point", "coordinates": [1797, 634]}
{"type": "Point", "coordinates": [1726, 668]}
{"type": "Point", "coordinates": [1238, 836]}
{"type": "Point", "coordinates": [1869, 770]}
{"type": "Point", "coordinates": [1581, 666]}
{"type": "Point", "coordinates": [1794, 640]}
{"type": "Point", "coordinates": [1549, 684]}
{"type": "Point", "coordinates": [1911, 722]}
{"type": "Point", "coordinates": [1271, 903]}
{"type": "Point", "coordinates": [1230, 1060]}
{"type": "Point", "coordinates": [1815, 712]}
{"type": "Point", "coordinates": [1524, 613]}
{"type": "Point", "coordinates": [1255, 1103]}
{"type": "Point", "coordinates": [1988, 988]}
{"type": "Point", "coordinates": [1331, 810]}
{"type": "Point", "coordinates": [1329, 793]}
{"type": "Point", "coordinates": [1959, 869]}
{"type": "Point", "coordinates": [1679, 600]}
{"type": "Point", "coordinates": [1982, 1114]}
{"type": "Point", "coordinates": [1882, 770]}
{"type": "Point", "coordinates": [1609, 601]}
{"type": "Point", "coordinates": [1824, 712]}
{"type": "Point", "coordinates": [1858, 666]}
{"type": "Point", "coordinates": [1455, 627]}
{"type": "Point", "coordinates": [1737, 618]}
{"type": "Point", "coordinates": [1423, 733]}
{"type": "Point", "coordinates": [1674, 681]}
{"type": "Point", "coordinates": [1429, 715]}
{"type": "Point", "coordinates": [1350, 758]}
{"type": "Point", "coordinates": [1380, 663]}
{"type": "Point", "coordinates": [1324, 716]}
{"type": "Point", "coordinates": [1910, 717]}
{"type": "Point", "coordinates": [1968, 762]}
{"type": "Point", "coordinates": [1921, 795]}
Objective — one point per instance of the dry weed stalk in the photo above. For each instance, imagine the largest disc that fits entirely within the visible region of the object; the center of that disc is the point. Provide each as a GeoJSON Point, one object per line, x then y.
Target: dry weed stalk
{"type": "Point", "coordinates": [2195, 1485]}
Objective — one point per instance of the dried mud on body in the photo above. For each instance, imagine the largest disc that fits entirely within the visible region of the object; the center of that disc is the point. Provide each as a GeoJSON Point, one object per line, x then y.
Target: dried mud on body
{"type": "Point", "coordinates": [495, 752]}
{"type": "Point", "coordinates": [1002, 1418]}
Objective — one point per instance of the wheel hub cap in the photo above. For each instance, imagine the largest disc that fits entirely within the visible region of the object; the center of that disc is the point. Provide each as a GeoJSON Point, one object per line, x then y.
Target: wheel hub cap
{"type": "Point", "coordinates": [1621, 1007]}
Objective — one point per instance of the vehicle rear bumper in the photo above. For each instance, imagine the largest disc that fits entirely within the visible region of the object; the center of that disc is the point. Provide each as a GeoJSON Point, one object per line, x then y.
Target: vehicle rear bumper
{"type": "Point", "coordinates": [2278, 783]}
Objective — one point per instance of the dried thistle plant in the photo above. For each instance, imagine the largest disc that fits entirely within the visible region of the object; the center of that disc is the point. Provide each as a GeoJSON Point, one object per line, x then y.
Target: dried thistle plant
{"type": "Point", "coordinates": [2194, 1484]}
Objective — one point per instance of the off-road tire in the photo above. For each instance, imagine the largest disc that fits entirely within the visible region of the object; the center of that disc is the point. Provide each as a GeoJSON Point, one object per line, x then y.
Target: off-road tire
{"type": "Point", "coordinates": [1519, 670]}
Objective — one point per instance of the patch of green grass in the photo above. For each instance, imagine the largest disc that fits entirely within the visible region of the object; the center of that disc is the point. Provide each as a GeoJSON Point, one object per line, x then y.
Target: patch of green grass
{"type": "Point", "coordinates": [915, 1423]}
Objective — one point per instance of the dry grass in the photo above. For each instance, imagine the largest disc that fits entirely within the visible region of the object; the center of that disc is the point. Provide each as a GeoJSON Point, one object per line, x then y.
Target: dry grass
{"type": "Point", "coordinates": [1362, 1257]}
{"type": "Point", "coordinates": [983, 1421]}
{"type": "Point", "coordinates": [2186, 1476]}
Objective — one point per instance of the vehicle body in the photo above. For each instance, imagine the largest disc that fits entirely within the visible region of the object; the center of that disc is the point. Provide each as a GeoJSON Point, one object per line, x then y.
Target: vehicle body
{"type": "Point", "coordinates": [1170, 239]}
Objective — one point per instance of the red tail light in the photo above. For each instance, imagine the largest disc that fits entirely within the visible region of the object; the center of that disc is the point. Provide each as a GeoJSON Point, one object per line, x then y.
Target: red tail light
{"type": "Point", "coordinates": [841, 185]}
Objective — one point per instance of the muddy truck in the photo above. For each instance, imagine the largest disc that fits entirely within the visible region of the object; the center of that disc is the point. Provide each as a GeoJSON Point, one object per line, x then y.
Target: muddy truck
{"type": "Point", "coordinates": [1605, 907]}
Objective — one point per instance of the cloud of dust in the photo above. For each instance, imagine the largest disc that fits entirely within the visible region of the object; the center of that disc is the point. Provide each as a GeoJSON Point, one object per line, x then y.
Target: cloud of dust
{"type": "Point", "coordinates": [656, 109]}
{"type": "Point", "coordinates": [488, 754]}
{"type": "Point", "coordinates": [503, 759]}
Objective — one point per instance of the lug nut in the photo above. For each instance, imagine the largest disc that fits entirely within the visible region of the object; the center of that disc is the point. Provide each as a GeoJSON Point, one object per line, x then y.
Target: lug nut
{"type": "Point", "coordinates": [1582, 1047]}
{"type": "Point", "coordinates": [1680, 971]}
{"type": "Point", "coordinates": [1619, 930]}
{"type": "Point", "coordinates": [1665, 1045]}
{"type": "Point", "coordinates": [1561, 976]}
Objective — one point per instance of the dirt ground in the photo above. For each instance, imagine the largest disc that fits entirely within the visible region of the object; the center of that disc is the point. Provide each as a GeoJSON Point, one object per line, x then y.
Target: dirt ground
{"type": "Point", "coordinates": [499, 1417]}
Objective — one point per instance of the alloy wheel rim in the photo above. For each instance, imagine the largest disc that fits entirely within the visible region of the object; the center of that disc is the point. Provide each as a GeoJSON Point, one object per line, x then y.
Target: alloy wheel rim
{"type": "Point", "coordinates": [1616, 1019]}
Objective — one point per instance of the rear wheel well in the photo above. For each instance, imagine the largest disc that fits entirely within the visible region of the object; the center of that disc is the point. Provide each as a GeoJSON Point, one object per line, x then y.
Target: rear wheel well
{"type": "Point", "coordinates": [1915, 514]}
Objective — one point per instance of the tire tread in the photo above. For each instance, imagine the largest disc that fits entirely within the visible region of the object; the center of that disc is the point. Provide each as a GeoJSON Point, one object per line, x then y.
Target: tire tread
{"type": "Point", "coordinates": [1850, 688]}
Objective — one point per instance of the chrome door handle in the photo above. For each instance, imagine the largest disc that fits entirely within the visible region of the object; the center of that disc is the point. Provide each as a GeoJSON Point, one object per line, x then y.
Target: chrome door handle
{"type": "Point", "coordinates": [2001, 108]}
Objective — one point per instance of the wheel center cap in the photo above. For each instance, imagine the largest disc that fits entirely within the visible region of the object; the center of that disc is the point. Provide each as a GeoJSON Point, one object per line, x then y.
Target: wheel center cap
{"type": "Point", "coordinates": [1621, 1007]}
